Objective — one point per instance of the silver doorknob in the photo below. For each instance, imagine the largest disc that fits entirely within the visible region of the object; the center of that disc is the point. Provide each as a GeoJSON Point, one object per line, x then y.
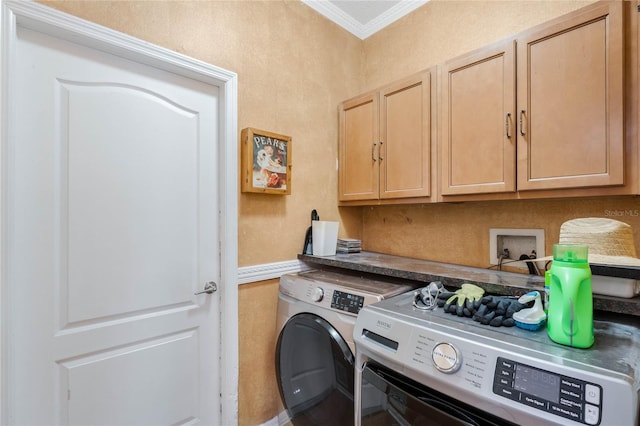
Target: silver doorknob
{"type": "Point", "coordinates": [209, 288]}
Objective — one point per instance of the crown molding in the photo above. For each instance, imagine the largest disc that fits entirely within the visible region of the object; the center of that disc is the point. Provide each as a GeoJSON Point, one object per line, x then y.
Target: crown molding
{"type": "Point", "coordinates": [362, 31]}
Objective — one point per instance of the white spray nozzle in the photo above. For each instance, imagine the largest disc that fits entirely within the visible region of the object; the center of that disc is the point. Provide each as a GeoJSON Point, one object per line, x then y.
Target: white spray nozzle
{"type": "Point", "coordinates": [530, 318]}
{"type": "Point", "coordinates": [528, 297]}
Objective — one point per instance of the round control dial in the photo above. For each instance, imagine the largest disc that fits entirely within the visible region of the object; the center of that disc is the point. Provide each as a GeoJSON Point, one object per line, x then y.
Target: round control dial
{"type": "Point", "coordinates": [446, 358]}
{"type": "Point", "coordinates": [317, 294]}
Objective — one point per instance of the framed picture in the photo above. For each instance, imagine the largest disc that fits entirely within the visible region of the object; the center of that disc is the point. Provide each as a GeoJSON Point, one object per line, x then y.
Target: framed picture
{"type": "Point", "coordinates": [266, 162]}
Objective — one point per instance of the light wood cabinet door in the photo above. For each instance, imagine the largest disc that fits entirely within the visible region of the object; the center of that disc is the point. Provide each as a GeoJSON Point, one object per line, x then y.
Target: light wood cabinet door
{"type": "Point", "coordinates": [358, 148]}
{"type": "Point", "coordinates": [477, 128]}
{"type": "Point", "coordinates": [385, 143]}
{"type": "Point", "coordinates": [405, 138]}
{"type": "Point", "coordinates": [570, 102]}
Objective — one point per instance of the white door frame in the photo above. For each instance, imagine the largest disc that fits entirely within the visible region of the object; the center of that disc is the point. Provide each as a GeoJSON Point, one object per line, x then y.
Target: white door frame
{"type": "Point", "coordinates": [15, 14]}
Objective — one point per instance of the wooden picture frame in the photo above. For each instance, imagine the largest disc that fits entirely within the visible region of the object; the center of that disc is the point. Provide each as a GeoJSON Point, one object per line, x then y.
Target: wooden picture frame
{"type": "Point", "coordinates": [265, 162]}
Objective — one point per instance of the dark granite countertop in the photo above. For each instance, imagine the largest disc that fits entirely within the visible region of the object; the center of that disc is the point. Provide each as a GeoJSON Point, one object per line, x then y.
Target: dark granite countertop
{"type": "Point", "coordinates": [451, 275]}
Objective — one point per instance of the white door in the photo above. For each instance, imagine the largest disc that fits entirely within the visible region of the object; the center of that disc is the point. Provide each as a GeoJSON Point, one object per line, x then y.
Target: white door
{"type": "Point", "coordinates": [111, 219]}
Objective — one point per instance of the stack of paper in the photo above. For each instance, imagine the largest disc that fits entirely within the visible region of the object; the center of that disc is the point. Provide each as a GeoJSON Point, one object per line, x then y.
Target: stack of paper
{"type": "Point", "coordinates": [348, 245]}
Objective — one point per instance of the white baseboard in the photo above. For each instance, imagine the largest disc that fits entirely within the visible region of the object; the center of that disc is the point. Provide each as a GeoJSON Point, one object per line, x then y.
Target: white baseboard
{"type": "Point", "coordinates": [268, 271]}
{"type": "Point", "coordinates": [271, 422]}
{"type": "Point", "coordinates": [282, 419]}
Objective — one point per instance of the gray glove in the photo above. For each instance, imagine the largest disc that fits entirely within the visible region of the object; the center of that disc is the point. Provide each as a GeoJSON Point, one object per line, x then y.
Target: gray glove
{"type": "Point", "coordinates": [497, 311]}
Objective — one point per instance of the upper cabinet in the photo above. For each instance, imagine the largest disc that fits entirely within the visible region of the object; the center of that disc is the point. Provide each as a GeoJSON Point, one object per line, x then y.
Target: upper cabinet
{"type": "Point", "coordinates": [358, 148]}
{"type": "Point", "coordinates": [570, 102]}
{"type": "Point", "coordinates": [385, 143]}
{"type": "Point", "coordinates": [549, 112]}
{"type": "Point", "coordinates": [477, 134]}
{"type": "Point", "coordinates": [560, 127]}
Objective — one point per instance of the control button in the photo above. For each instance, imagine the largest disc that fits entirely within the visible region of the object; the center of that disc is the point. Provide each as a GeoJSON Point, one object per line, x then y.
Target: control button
{"type": "Point", "coordinates": [506, 392]}
{"type": "Point", "coordinates": [571, 384]}
{"type": "Point", "coordinates": [570, 393]}
{"type": "Point", "coordinates": [568, 402]}
{"type": "Point", "coordinates": [445, 358]}
{"type": "Point", "coordinates": [505, 373]}
{"type": "Point", "coordinates": [592, 394]}
{"type": "Point", "coordinates": [504, 382]}
{"type": "Point", "coordinates": [506, 364]}
{"type": "Point", "coordinates": [532, 401]}
{"type": "Point", "coordinates": [317, 294]}
{"type": "Point", "coordinates": [566, 412]}
{"type": "Point", "coordinates": [591, 414]}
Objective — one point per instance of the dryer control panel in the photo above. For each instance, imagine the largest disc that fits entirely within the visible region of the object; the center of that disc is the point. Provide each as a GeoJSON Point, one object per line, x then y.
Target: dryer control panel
{"type": "Point", "coordinates": [338, 292]}
{"type": "Point", "coordinates": [347, 302]}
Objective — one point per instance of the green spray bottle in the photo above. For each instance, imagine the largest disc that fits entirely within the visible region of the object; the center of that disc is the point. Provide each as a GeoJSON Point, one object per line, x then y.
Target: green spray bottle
{"type": "Point", "coordinates": [570, 317]}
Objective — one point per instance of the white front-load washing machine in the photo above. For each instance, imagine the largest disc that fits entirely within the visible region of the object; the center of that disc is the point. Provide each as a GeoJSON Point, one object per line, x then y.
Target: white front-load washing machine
{"type": "Point", "coordinates": [317, 312]}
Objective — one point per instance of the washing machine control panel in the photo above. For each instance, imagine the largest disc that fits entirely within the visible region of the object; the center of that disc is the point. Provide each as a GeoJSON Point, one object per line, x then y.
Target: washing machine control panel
{"type": "Point", "coordinates": [347, 301]}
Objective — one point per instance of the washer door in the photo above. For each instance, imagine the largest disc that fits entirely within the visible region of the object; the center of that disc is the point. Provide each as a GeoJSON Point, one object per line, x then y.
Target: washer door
{"type": "Point", "coordinates": [315, 372]}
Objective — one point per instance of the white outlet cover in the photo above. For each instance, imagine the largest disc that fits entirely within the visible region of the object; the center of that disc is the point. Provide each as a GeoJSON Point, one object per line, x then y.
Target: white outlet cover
{"type": "Point", "coordinates": [494, 233]}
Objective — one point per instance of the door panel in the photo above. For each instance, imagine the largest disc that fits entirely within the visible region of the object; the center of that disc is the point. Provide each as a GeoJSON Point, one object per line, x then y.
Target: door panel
{"type": "Point", "coordinates": [359, 150]}
{"type": "Point", "coordinates": [478, 132]}
{"type": "Point", "coordinates": [112, 218]}
{"type": "Point", "coordinates": [551, 98]}
{"type": "Point", "coordinates": [405, 129]}
{"type": "Point", "coordinates": [93, 401]}
{"type": "Point", "coordinates": [570, 97]}
{"type": "Point", "coordinates": [118, 204]}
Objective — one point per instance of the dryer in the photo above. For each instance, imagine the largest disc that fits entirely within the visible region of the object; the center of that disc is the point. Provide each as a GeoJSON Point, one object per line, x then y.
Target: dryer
{"type": "Point", "coordinates": [317, 310]}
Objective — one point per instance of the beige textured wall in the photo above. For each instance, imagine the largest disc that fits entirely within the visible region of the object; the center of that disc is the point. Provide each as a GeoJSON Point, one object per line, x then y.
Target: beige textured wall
{"type": "Point", "coordinates": [459, 233]}
{"type": "Point", "coordinates": [443, 29]}
{"type": "Point", "coordinates": [258, 396]}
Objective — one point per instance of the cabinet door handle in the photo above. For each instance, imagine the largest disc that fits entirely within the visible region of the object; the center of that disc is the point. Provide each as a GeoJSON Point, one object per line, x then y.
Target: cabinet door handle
{"type": "Point", "coordinates": [522, 132]}
{"type": "Point", "coordinates": [507, 121]}
{"type": "Point", "coordinates": [373, 151]}
{"type": "Point", "coordinates": [379, 149]}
